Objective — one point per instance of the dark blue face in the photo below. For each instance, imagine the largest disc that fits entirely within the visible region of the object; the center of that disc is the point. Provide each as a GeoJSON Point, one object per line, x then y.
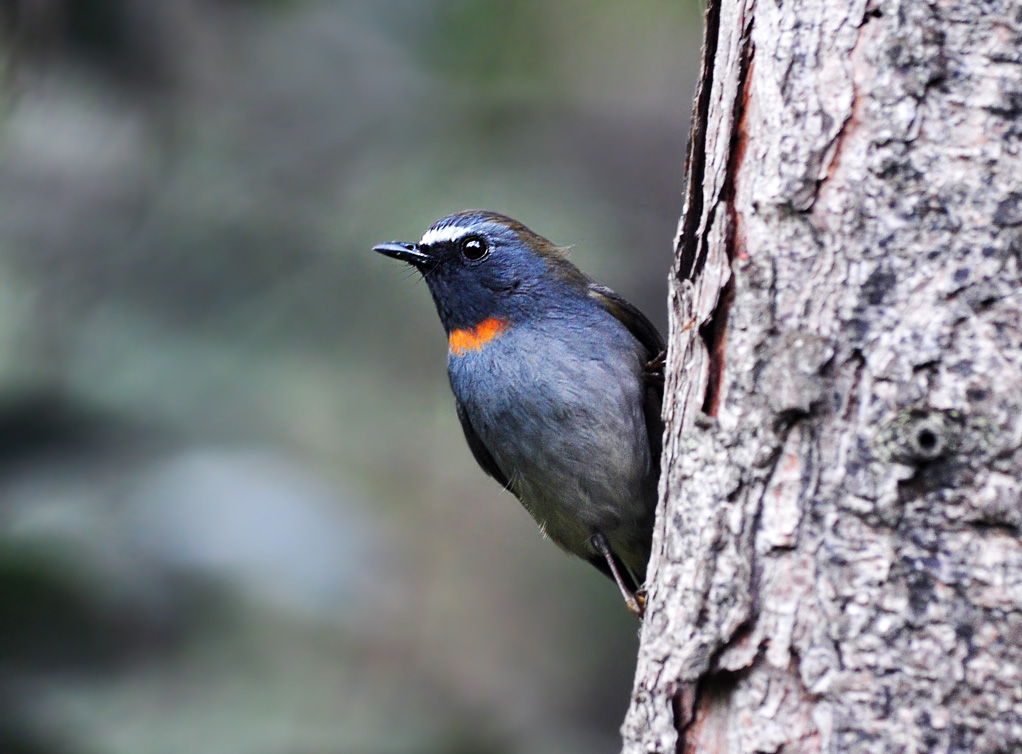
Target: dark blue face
{"type": "Point", "coordinates": [482, 265]}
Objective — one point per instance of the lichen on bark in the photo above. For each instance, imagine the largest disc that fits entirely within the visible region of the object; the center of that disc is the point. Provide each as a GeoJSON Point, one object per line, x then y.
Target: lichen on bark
{"type": "Point", "coordinates": [838, 556]}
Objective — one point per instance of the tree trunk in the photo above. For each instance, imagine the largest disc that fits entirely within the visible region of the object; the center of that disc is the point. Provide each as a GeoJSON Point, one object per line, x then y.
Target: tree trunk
{"type": "Point", "coordinates": [837, 562]}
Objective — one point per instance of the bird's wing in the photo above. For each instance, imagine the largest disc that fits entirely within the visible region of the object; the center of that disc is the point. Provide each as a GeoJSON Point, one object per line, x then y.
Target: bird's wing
{"type": "Point", "coordinates": [656, 354]}
{"type": "Point", "coordinates": [479, 451]}
{"type": "Point", "coordinates": [629, 316]}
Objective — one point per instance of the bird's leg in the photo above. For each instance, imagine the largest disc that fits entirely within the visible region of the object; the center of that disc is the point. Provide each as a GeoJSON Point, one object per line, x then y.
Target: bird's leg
{"type": "Point", "coordinates": [634, 605]}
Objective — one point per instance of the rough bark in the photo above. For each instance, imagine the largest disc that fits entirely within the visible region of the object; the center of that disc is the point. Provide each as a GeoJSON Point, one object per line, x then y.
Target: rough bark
{"type": "Point", "coordinates": [837, 562]}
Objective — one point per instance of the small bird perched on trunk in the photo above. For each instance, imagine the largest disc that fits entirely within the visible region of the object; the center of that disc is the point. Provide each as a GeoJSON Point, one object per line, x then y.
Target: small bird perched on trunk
{"type": "Point", "coordinates": [558, 383]}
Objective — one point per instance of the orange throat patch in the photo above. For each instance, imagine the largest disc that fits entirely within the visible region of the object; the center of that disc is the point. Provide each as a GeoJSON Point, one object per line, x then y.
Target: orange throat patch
{"type": "Point", "coordinates": [461, 342]}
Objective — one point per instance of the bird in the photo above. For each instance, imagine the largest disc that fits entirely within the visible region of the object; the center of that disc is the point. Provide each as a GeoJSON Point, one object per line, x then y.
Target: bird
{"type": "Point", "coordinates": [558, 385]}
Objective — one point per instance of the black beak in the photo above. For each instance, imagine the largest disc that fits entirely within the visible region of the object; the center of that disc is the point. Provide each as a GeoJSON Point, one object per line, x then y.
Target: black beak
{"type": "Point", "coordinates": [406, 252]}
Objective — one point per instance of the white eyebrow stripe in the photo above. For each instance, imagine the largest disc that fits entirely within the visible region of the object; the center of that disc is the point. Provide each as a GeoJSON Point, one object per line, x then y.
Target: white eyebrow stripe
{"type": "Point", "coordinates": [446, 233]}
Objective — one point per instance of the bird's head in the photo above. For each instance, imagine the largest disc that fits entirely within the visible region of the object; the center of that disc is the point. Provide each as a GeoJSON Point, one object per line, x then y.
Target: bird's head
{"type": "Point", "coordinates": [483, 266]}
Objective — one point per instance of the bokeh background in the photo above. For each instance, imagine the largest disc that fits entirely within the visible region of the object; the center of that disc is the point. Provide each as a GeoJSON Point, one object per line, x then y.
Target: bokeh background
{"type": "Point", "coordinates": [236, 510]}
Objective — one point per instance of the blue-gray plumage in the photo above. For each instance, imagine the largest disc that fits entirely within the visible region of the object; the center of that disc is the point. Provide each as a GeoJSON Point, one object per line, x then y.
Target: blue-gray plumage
{"type": "Point", "coordinates": [557, 383]}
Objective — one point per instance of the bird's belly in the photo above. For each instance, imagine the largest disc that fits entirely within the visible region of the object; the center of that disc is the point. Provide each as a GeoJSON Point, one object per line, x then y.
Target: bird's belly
{"type": "Point", "coordinates": [570, 435]}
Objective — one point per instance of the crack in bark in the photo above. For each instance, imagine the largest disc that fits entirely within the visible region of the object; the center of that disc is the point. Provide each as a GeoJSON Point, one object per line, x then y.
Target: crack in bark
{"type": "Point", "coordinates": [683, 701]}
{"type": "Point", "coordinates": [714, 331]}
{"type": "Point", "coordinates": [689, 260]}
{"type": "Point", "coordinates": [714, 335]}
{"type": "Point", "coordinates": [710, 695]}
{"type": "Point", "coordinates": [854, 117]}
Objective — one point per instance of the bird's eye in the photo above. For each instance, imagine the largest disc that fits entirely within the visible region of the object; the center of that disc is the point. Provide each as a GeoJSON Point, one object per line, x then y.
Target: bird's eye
{"type": "Point", "coordinates": [474, 248]}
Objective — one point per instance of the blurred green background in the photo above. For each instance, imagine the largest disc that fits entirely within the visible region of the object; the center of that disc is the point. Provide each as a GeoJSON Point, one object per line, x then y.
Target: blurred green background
{"type": "Point", "coordinates": [237, 513]}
